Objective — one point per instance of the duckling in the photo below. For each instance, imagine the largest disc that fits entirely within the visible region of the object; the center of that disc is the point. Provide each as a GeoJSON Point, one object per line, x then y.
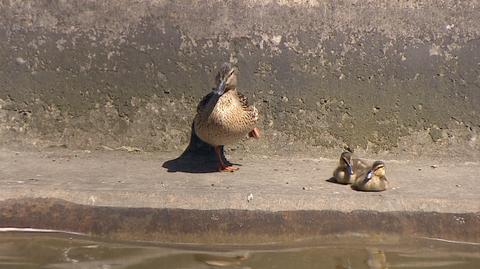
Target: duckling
{"type": "Point", "coordinates": [224, 116]}
{"type": "Point", "coordinates": [373, 179]}
{"type": "Point", "coordinates": [349, 168]}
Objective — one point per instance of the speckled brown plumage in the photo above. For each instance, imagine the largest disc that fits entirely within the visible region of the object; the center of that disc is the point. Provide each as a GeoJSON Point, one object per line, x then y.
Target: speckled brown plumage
{"type": "Point", "coordinates": [224, 116]}
{"type": "Point", "coordinates": [226, 120]}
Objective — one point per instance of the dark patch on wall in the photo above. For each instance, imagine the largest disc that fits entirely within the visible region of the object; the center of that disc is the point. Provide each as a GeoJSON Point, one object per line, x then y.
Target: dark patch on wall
{"type": "Point", "coordinates": [334, 74]}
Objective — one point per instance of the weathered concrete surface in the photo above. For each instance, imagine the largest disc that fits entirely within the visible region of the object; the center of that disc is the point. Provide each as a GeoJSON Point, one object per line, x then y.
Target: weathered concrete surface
{"type": "Point", "coordinates": [131, 196]}
{"type": "Point", "coordinates": [378, 75]}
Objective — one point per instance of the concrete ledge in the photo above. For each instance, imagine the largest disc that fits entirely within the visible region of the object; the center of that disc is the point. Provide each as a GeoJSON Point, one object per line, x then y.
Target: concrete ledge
{"type": "Point", "coordinates": [131, 196]}
{"type": "Point", "coordinates": [231, 226]}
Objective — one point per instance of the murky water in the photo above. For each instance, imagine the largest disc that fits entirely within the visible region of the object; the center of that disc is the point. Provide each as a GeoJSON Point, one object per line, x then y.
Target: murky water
{"type": "Point", "coordinates": [54, 250]}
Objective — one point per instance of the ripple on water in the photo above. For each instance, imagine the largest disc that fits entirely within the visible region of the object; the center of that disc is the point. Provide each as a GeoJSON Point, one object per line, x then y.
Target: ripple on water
{"type": "Point", "coordinates": [60, 250]}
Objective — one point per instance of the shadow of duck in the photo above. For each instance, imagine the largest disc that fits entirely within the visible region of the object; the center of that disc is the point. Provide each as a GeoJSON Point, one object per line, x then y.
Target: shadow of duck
{"type": "Point", "coordinates": [198, 157]}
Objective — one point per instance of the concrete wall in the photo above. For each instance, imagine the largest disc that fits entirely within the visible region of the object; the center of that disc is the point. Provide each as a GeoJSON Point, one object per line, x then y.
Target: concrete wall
{"type": "Point", "coordinates": [377, 75]}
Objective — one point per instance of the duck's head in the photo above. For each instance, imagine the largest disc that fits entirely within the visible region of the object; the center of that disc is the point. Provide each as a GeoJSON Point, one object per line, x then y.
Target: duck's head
{"type": "Point", "coordinates": [226, 79]}
{"type": "Point", "coordinates": [346, 161]}
{"type": "Point", "coordinates": [378, 169]}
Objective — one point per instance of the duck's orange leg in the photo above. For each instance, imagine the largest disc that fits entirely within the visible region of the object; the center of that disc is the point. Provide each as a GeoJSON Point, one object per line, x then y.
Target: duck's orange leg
{"type": "Point", "coordinates": [222, 167]}
{"type": "Point", "coordinates": [255, 133]}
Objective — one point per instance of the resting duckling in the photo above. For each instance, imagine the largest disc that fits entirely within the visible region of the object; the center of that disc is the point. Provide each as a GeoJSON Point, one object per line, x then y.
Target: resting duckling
{"type": "Point", "coordinates": [224, 116]}
{"type": "Point", "coordinates": [349, 168]}
{"type": "Point", "coordinates": [372, 180]}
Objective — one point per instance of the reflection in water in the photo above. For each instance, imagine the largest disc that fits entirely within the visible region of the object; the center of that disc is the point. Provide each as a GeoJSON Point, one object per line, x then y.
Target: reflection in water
{"type": "Point", "coordinates": [376, 259]}
{"type": "Point", "coordinates": [224, 260]}
{"type": "Point", "coordinates": [31, 250]}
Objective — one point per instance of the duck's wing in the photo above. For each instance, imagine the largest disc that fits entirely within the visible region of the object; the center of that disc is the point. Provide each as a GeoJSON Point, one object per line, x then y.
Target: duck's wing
{"type": "Point", "coordinates": [251, 111]}
{"type": "Point", "coordinates": [243, 100]}
{"type": "Point", "coordinates": [201, 106]}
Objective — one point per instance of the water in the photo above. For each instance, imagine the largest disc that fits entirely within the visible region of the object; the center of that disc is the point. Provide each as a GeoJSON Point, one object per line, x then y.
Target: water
{"type": "Point", "coordinates": [55, 250]}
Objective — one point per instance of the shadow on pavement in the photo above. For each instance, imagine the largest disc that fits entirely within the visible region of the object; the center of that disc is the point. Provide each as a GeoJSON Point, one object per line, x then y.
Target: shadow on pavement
{"type": "Point", "coordinates": [198, 157]}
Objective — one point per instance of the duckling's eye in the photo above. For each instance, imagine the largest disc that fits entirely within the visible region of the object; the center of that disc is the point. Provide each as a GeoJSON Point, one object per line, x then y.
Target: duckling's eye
{"type": "Point", "coordinates": [380, 167]}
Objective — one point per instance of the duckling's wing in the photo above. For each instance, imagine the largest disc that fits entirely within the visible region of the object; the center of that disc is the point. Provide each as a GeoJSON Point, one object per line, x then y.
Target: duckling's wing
{"type": "Point", "coordinates": [360, 166]}
{"type": "Point", "coordinates": [361, 175]}
{"type": "Point", "coordinates": [201, 106]}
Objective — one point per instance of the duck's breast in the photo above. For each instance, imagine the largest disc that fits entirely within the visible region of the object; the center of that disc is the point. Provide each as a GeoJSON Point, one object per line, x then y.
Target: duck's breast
{"type": "Point", "coordinates": [227, 123]}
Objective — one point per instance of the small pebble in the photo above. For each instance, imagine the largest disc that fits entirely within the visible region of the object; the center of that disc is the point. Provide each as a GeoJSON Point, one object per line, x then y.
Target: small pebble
{"type": "Point", "coordinates": [250, 197]}
{"type": "Point", "coordinates": [458, 185]}
{"type": "Point", "coordinates": [213, 185]}
{"type": "Point", "coordinates": [434, 166]}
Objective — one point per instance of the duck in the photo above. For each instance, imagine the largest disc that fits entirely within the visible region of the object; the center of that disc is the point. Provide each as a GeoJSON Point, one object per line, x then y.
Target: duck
{"type": "Point", "coordinates": [373, 179]}
{"type": "Point", "coordinates": [349, 168]}
{"type": "Point", "coordinates": [376, 259]}
{"type": "Point", "coordinates": [224, 116]}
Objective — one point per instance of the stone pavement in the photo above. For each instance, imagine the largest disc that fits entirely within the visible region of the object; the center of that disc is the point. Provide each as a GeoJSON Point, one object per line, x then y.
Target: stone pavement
{"type": "Point", "coordinates": [117, 179]}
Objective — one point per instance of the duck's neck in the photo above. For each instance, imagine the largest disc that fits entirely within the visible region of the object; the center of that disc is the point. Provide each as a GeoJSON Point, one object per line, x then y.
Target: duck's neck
{"type": "Point", "coordinates": [212, 102]}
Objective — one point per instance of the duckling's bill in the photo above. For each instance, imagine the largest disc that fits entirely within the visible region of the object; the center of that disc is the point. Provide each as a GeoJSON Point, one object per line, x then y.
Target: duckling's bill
{"type": "Point", "coordinates": [349, 166]}
{"type": "Point", "coordinates": [349, 169]}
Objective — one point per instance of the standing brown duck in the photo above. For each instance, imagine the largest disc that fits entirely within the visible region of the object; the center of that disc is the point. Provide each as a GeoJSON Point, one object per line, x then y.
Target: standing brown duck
{"type": "Point", "coordinates": [224, 116]}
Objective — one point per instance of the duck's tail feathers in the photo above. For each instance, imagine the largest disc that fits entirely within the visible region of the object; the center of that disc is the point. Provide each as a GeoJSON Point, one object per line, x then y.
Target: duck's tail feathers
{"type": "Point", "coordinates": [198, 147]}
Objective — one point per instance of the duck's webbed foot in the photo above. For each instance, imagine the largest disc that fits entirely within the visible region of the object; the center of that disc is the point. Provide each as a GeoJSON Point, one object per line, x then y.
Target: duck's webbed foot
{"type": "Point", "coordinates": [223, 164]}
{"type": "Point", "coordinates": [255, 133]}
{"type": "Point", "coordinates": [229, 168]}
